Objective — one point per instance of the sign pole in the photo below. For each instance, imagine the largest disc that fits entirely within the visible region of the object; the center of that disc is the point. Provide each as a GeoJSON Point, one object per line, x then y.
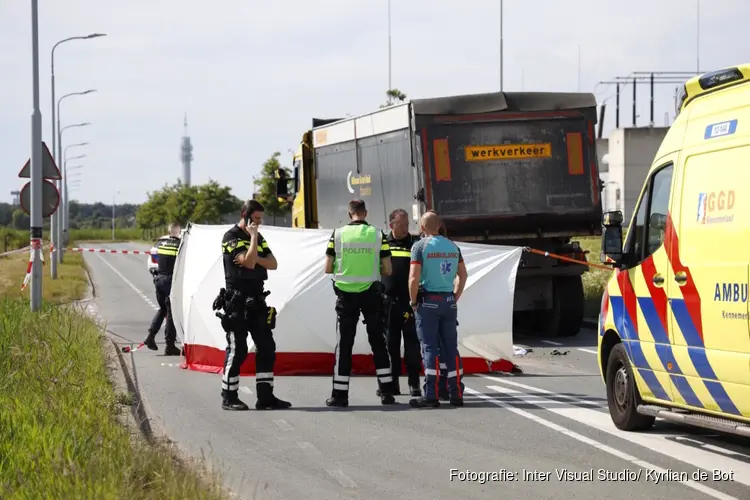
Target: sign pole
{"type": "Point", "coordinates": [36, 167]}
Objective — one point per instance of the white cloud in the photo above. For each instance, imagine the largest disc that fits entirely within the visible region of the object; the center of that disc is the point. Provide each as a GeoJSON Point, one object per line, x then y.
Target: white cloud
{"type": "Point", "coordinates": [251, 77]}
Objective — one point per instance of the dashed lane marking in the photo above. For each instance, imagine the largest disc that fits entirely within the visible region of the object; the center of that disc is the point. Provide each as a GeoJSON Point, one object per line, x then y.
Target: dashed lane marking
{"type": "Point", "coordinates": [549, 342]}
{"type": "Point", "coordinates": [656, 441]}
{"type": "Point", "coordinates": [129, 283]}
{"type": "Point", "coordinates": [596, 444]}
{"type": "Point", "coordinates": [341, 478]}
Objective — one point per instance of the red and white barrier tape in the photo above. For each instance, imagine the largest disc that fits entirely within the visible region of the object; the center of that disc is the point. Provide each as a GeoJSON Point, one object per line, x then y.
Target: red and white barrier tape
{"type": "Point", "coordinates": [129, 349]}
{"type": "Point", "coordinates": [109, 250]}
{"type": "Point", "coordinates": [36, 246]}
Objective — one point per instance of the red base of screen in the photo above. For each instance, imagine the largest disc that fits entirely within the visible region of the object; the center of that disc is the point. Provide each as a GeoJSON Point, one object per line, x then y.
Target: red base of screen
{"type": "Point", "coordinates": [211, 360]}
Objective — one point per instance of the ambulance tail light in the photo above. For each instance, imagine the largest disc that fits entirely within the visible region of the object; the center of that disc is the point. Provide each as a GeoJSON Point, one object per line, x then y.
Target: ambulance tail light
{"type": "Point", "coordinates": [721, 77]}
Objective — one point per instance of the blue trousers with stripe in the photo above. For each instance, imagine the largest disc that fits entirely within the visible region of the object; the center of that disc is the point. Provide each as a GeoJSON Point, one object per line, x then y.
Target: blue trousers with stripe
{"type": "Point", "coordinates": [436, 317]}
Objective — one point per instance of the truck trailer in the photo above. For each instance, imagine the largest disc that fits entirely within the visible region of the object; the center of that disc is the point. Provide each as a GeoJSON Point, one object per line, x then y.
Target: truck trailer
{"type": "Point", "coordinates": [502, 168]}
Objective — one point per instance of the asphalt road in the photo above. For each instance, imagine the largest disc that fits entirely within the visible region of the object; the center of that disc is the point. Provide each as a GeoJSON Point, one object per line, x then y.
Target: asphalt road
{"type": "Point", "coordinates": [513, 437]}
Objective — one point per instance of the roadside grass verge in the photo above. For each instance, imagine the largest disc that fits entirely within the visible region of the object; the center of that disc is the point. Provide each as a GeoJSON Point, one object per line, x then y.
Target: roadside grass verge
{"type": "Point", "coordinates": [61, 419]}
{"type": "Point", "coordinates": [594, 280]}
{"type": "Point", "coordinates": [12, 239]}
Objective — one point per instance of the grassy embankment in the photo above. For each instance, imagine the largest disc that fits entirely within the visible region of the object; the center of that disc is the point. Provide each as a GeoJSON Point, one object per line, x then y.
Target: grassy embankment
{"type": "Point", "coordinates": [61, 431]}
{"type": "Point", "coordinates": [595, 279]}
{"type": "Point", "coordinates": [11, 239]}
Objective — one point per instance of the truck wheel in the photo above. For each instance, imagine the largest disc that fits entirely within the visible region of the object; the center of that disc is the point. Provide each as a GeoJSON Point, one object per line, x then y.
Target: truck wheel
{"type": "Point", "coordinates": [622, 394]}
{"type": "Point", "coordinates": [566, 316]}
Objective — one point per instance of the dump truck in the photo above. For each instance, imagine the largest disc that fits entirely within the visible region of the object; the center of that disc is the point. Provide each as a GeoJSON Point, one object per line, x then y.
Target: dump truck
{"type": "Point", "coordinates": [516, 169]}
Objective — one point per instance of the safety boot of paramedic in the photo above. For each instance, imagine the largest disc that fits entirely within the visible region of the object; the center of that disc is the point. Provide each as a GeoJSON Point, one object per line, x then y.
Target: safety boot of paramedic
{"type": "Point", "coordinates": [337, 402]}
{"type": "Point", "coordinates": [171, 350]}
{"type": "Point", "coordinates": [150, 342]}
{"type": "Point", "coordinates": [267, 400]}
{"type": "Point", "coordinates": [233, 403]}
{"type": "Point", "coordinates": [423, 402]}
{"type": "Point", "coordinates": [457, 401]}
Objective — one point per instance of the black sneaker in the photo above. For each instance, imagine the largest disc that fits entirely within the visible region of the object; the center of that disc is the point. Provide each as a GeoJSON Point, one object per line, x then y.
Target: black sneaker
{"type": "Point", "coordinates": [424, 403]}
{"type": "Point", "coordinates": [273, 403]}
{"type": "Point", "coordinates": [444, 397]}
{"type": "Point", "coordinates": [150, 342]}
{"type": "Point", "coordinates": [337, 401]}
{"type": "Point", "coordinates": [415, 391]}
{"type": "Point", "coordinates": [457, 402]}
{"type": "Point", "coordinates": [171, 350]}
{"type": "Point", "coordinates": [234, 405]}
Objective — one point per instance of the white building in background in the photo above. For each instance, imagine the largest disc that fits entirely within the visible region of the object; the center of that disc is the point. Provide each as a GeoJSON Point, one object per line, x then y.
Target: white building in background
{"type": "Point", "coordinates": [624, 161]}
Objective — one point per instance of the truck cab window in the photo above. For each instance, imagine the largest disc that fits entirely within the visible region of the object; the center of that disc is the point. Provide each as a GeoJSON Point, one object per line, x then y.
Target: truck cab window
{"type": "Point", "coordinates": [297, 174]}
{"type": "Point", "coordinates": [657, 214]}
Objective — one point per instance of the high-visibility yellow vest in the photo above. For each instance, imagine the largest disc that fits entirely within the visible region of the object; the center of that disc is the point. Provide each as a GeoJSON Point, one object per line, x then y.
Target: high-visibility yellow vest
{"type": "Point", "coordinates": [357, 264]}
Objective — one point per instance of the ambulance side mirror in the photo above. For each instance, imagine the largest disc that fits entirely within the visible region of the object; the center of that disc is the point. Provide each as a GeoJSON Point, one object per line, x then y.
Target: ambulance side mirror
{"type": "Point", "coordinates": [611, 252]}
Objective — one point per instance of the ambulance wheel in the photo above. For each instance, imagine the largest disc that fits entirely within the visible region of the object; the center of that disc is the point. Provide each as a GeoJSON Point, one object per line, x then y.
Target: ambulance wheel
{"type": "Point", "coordinates": [622, 393]}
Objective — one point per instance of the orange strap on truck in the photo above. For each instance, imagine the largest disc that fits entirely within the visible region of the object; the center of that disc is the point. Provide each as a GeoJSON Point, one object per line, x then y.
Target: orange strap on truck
{"type": "Point", "coordinates": [568, 259]}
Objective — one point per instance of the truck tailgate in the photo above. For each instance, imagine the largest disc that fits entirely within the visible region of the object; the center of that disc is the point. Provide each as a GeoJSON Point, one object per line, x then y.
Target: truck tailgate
{"type": "Point", "coordinates": [512, 168]}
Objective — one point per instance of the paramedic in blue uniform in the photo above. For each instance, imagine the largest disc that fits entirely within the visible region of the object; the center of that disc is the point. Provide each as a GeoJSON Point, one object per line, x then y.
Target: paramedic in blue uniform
{"type": "Point", "coordinates": [442, 380]}
{"type": "Point", "coordinates": [436, 281]}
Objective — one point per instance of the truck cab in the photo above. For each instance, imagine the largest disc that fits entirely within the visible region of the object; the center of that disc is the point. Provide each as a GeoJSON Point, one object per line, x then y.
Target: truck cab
{"type": "Point", "coordinates": [674, 325]}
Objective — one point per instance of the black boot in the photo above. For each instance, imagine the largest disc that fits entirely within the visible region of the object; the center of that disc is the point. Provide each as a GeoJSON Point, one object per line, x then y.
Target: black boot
{"type": "Point", "coordinates": [267, 400]}
{"type": "Point", "coordinates": [233, 403]}
{"type": "Point", "coordinates": [396, 391]}
{"type": "Point", "coordinates": [387, 398]}
{"type": "Point", "coordinates": [171, 350]}
{"type": "Point", "coordinates": [338, 401]}
{"type": "Point", "coordinates": [415, 391]}
{"type": "Point", "coordinates": [150, 342]}
{"type": "Point", "coordinates": [457, 401]}
{"type": "Point", "coordinates": [424, 403]}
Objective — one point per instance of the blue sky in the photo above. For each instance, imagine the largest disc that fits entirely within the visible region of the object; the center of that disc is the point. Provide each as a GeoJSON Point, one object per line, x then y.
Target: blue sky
{"type": "Point", "coordinates": [251, 77]}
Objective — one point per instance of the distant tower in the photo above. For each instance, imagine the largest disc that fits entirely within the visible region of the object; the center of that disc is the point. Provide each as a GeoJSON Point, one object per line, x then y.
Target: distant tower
{"type": "Point", "coordinates": [16, 197]}
{"type": "Point", "coordinates": [186, 154]}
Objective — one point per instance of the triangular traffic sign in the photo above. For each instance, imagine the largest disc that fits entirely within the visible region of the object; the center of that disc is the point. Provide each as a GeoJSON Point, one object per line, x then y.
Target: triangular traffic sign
{"type": "Point", "coordinates": [49, 168]}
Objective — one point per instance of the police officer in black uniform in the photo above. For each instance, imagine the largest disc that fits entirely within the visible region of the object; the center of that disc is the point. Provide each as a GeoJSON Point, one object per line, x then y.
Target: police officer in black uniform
{"type": "Point", "coordinates": [247, 260]}
{"type": "Point", "coordinates": [166, 251]}
{"type": "Point", "coordinates": [400, 316]}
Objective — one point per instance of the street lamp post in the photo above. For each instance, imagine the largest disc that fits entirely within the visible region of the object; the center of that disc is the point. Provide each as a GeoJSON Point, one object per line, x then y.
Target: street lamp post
{"type": "Point", "coordinates": [61, 230]}
{"type": "Point", "coordinates": [35, 174]}
{"type": "Point", "coordinates": [54, 224]}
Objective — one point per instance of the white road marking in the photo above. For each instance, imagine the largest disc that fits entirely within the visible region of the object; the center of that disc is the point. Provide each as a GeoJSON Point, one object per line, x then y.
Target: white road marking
{"type": "Point", "coordinates": [341, 478]}
{"type": "Point", "coordinates": [283, 425]}
{"type": "Point", "coordinates": [653, 440]}
{"type": "Point", "coordinates": [596, 444]}
{"type": "Point", "coordinates": [711, 447]}
{"type": "Point", "coordinates": [309, 447]}
{"type": "Point", "coordinates": [551, 342]}
{"type": "Point", "coordinates": [544, 401]}
{"type": "Point", "coordinates": [129, 283]}
{"type": "Point", "coordinates": [590, 351]}
{"type": "Point", "coordinates": [246, 390]}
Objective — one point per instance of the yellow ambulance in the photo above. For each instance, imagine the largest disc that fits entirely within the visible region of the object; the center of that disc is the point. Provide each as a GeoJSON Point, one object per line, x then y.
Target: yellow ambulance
{"type": "Point", "coordinates": [674, 327]}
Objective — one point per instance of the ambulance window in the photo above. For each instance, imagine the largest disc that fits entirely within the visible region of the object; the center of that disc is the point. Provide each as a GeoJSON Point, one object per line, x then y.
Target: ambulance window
{"type": "Point", "coordinates": [634, 240]}
{"type": "Point", "coordinates": [657, 214]}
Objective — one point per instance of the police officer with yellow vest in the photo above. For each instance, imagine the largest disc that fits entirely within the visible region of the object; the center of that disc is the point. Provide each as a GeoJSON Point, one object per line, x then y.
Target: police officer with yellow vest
{"type": "Point", "coordinates": [357, 255]}
{"type": "Point", "coordinates": [247, 260]}
{"type": "Point", "coordinates": [166, 251]}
